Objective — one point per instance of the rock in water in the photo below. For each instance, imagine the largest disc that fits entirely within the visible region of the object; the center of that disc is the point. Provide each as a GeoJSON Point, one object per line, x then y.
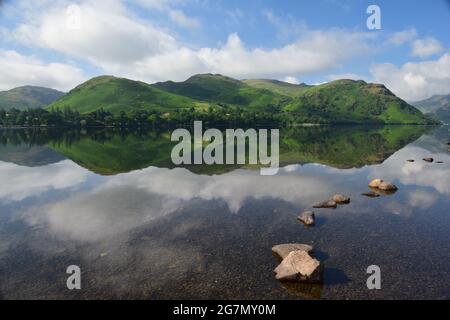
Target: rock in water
{"type": "Point", "coordinates": [330, 204]}
{"type": "Point", "coordinates": [307, 217]}
{"type": "Point", "coordinates": [371, 194]}
{"type": "Point", "coordinates": [283, 250]}
{"type": "Point", "coordinates": [299, 266]}
{"type": "Point", "coordinates": [428, 159]}
{"type": "Point", "coordinates": [439, 161]}
{"type": "Point", "coordinates": [340, 199]}
{"type": "Point", "coordinates": [387, 186]}
{"type": "Point", "coordinates": [375, 183]}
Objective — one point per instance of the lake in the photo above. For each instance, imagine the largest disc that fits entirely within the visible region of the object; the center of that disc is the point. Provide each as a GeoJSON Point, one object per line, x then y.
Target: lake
{"type": "Point", "coordinates": [112, 203]}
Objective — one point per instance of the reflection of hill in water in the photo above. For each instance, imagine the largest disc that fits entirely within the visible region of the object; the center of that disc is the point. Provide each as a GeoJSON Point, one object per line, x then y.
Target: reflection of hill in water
{"type": "Point", "coordinates": [345, 147]}
{"type": "Point", "coordinates": [435, 140]}
{"type": "Point", "coordinates": [109, 152]}
{"type": "Point", "coordinates": [27, 148]}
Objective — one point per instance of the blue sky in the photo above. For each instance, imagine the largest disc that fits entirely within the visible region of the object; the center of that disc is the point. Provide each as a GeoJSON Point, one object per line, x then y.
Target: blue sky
{"type": "Point", "coordinates": [62, 43]}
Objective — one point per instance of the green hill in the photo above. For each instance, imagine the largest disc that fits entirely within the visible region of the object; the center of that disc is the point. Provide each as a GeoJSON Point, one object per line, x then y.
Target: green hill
{"type": "Point", "coordinates": [219, 89]}
{"type": "Point", "coordinates": [119, 94]}
{"type": "Point", "coordinates": [28, 97]}
{"type": "Point", "coordinates": [280, 87]}
{"type": "Point", "coordinates": [356, 102]}
{"type": "Point", "coordinates": [341, 101]}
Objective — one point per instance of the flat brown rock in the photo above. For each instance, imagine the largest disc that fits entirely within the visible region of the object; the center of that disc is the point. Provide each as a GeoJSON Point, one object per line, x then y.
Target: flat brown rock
{"type": "Point", "coordinates": [283, 250]}
{"type": "Point", "coordinates": [340, 199]}
{"type": "Point", "coordinates": [299, 266]}
{"type": "Point", "coordinates": [329, 204]}
{"type": "Point", "coordinates": [387, 186]}
{"type": "Point", "coordinates": [371, 194]}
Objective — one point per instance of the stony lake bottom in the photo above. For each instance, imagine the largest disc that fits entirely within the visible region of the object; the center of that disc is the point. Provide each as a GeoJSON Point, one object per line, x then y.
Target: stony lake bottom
{"type": "Point", "coordinates": [111, 202]}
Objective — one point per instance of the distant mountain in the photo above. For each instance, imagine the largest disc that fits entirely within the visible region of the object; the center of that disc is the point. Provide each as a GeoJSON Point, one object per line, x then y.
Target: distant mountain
{"type": "Point", "coordinates": [430, 105]}
{"type": "Point", "coordinates": [443, 114]}
{"type": "Point", "coordinates": [341, 101]}
{"type": "Point", "coordinates": [28, 97]}
{"type": "Point", "coordinates": [437, 106]}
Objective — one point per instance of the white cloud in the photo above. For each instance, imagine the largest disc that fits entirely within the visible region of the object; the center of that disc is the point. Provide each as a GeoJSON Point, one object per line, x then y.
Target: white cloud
{"type": "Point", "coordinates": [17, 70]}
{"type": "Point", "coordinates": [175, 15]}
{"type": "Point", "coordinates": [415, 81]}
{"type": "Point", "coordinates": [426, 47]}
{"type": "Point", "coordinates": [106, 35]}
{"type": "Point", "coordinates": [182, 20]}
{"type": "Point", "coordinates": [113, 39]}
{"type": "Point", "coordinates": [401, 37]}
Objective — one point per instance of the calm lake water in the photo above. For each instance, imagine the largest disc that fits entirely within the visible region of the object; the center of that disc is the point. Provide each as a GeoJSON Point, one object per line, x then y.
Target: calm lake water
{"type": "Point", "coordinates": [112, 203]}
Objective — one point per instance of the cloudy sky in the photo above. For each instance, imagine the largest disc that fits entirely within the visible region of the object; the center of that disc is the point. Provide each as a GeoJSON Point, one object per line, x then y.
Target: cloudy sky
{"type": "Point", "coordinates": [59, 44]}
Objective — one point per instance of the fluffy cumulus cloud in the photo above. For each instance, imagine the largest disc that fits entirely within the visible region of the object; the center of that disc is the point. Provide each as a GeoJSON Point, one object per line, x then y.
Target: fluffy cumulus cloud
{"type": "Point", "coordinates": [415, 80]}
{"type": "Point", "coordinates": [17, 69]}
{"type": "Point", "coordinates": [109, 36]}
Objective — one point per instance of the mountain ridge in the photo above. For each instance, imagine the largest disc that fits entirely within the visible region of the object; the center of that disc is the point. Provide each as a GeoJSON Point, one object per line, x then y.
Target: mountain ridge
{"type": "Point", "coordinates": [340, 101]}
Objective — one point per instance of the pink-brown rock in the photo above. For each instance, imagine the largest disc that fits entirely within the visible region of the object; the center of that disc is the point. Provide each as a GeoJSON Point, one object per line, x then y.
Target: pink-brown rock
{"type": "Point", "coordinates": [340, 199]}
{"type": "Point", "coordinates": [387, 186]}
{"type": "Point", "coordinates": [375, 183]}
{"type": "Point", "coordinates": [299, 266]}
{"type": "Point", "coordinates": [283, 250]}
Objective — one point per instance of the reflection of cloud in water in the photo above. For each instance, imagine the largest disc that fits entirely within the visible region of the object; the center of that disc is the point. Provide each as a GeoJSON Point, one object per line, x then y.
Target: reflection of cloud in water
{"type": "Point", "coordinates": [125, 201]}
{"type": "Point", "coordinates": [103, 212]}
{"type": "Point", "coordinates": [129, 200]}
{"type": "Point", "coordinates": [421, 199]}
{"type": "Point", "coordinates": [18, 182]}
{"type": "Point", "coordinates": [417, 173]}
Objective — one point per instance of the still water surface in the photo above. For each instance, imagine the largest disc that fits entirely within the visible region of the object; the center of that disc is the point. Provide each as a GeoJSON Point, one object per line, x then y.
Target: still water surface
{"type": "Point", "coordinates": [112, 203]}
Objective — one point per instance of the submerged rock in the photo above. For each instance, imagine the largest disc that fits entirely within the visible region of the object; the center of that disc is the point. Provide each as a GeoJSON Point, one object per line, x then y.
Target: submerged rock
{"type": "Point", "coordinates": [371, 194]}
{"type": "Point", "coordinates": [307, 217]}
{"type": "Point", "coordinates": [439, 161]}
{"type": "Point", "coordinates": [283, 250]}
{"type": "Point", "coordinates": [428, 159]}
{"type": "Point", "coordinates": [329, 204]}
{"type": "Point", "coordinates": [387, 186]}
{"type": "Point", "coordinates": [340, 199]}
{"type": "Point", "coordinates": [410, 160]}
{"type": "Point", "coordinates": [375, 183]}
{"type": "Point", "coordinates": [299, 266]}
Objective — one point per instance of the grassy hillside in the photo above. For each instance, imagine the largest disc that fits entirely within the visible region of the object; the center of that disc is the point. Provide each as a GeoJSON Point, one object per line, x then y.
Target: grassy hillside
{"type": "Point", "coordinates": [118, 94]}
{"type": "Point", "coordinates": [341, 101]}
{"type": "Point", "coordinates": [355, 101]}
{"type": "Point", "coordinates": [279, 87]}
{"type": "Point", "coordinates": [219, 89]}
{"type": "Point", "coordinates": [28, 97]}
